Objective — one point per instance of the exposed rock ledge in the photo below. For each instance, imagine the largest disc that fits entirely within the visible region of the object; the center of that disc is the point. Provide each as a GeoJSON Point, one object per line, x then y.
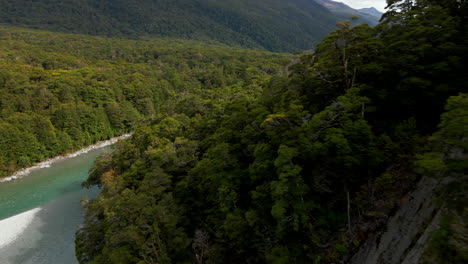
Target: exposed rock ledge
{"type": "Point", "coordinates": [407, 232]}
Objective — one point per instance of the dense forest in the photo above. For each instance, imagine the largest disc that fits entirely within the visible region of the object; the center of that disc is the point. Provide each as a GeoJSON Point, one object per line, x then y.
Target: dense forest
{"type": "Point", "coordinates": [261, 24]}
{"type": "Point", "coordinates": [60, 92]}
{"type": "Point", "coordinates": [289, 167]}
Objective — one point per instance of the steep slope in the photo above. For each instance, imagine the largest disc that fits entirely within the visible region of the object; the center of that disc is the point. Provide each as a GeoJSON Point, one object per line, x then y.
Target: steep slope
{"type": "Point", "coordinates": [371, 11]}
{"type": "Point", "coordinates": [396, 244]}
{"type": "Point", "coordinates": [270, 24]}
{"type": "Point", "coordinates": [344, 12]}
{"type": "Point", "coordinates": [289, 172]}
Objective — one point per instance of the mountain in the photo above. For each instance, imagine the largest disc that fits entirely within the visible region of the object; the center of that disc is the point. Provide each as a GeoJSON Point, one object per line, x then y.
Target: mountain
{"type": "Point", "coordinates": [344, 12]}
{"type": "Point", "coordinates": [274, 25]}
{"type": "Point", "coordinates": [371, 11]}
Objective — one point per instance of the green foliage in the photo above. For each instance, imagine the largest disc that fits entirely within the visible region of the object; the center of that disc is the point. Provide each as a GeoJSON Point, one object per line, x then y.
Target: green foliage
{"type": "Point", "coordinates": [258, 24]}
{"type": "Point", "coordinates": [447, 244]}
{"type": "Point", "coordinates": [430, 163]}
{"type": "Point", "coordinates": [273, 170]}
{"type": "Point", "coordinates": [425, 44]}
{"type": "Point", "coordinates": [449, 143]}
{"type": "Point", "coordinates": [448, 160]}
{"type": "Point", "coordinates": [340, 248]}
{"type": "Point", "coordinates": [453, 128]}
{"type": "Point", "coordinates": [262, 180]}
{"type": "Point", "coordinates": [61, 92]}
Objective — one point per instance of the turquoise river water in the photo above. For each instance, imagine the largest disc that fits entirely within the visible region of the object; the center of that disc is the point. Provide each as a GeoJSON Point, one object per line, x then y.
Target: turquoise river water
{"type": "Point", "coordinates": [48, 236]}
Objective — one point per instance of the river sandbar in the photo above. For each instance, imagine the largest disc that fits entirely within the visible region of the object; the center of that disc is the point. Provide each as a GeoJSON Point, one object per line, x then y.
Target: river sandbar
{"type": "Point", "coordinates": [12, 227]}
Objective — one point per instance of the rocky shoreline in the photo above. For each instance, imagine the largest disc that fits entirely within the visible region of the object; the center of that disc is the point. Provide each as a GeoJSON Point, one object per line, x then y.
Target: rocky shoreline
{"type": "Point", "coordinates": [47, 163]}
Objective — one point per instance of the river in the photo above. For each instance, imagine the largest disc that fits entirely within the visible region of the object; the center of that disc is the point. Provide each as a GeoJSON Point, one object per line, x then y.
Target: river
{"type": "Point", "coordinates": [40, 212]}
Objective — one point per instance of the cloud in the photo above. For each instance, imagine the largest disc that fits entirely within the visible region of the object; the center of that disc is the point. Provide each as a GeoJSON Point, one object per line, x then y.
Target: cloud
{"type": "Point", "coordinates": [379, 4]}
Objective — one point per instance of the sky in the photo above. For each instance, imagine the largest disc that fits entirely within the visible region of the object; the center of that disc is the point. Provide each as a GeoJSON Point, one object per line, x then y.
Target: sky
{"type": "Point", "coordinates": [356, 4]}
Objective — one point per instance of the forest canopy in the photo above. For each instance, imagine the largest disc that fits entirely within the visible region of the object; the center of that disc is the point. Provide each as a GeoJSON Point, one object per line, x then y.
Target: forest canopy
{"type": "Point", "coordinates": [303, 167]}
{"type": "Point", "coordinates": [273, 25]}
{"type": "Point", "coordinates": [60, 92]}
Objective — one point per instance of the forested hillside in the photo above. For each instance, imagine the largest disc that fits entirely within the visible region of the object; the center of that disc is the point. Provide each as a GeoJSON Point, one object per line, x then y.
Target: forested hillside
{"type": "Point", "coordinates": [344, 12]}
{"type": "Point", "coordinates": [60, 92]}
{"type": "Point", "coordinates": [274, 25]}
{"type": "Point", "coordinates": [303, 168]}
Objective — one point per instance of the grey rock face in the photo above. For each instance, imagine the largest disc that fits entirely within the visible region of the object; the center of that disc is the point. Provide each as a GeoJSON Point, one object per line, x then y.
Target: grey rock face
{"type": "Point", "coordinates": [406, 232]}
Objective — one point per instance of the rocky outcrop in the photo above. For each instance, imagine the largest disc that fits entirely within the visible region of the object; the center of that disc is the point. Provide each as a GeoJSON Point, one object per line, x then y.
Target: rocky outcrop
{"type": "Point", "coordinates": [407, 232]}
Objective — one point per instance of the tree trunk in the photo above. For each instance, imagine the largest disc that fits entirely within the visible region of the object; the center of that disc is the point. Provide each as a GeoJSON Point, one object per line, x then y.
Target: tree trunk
{"type": "Point", "coordinates": [349, 211]}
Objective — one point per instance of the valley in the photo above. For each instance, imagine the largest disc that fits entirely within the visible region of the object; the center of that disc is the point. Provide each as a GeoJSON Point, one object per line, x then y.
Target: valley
{"type": "Point", "coordinates": [262, 132]}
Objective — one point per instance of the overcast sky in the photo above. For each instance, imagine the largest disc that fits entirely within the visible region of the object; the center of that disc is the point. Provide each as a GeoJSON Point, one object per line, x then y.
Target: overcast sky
{"type": "Point", "coordinates": [379, 4]}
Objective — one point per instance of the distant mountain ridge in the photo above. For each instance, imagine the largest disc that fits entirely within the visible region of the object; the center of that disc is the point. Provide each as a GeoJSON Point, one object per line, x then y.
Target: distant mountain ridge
{"type": "Point", "coordinates": [371, 11]}
{"type": "Point", "coordinates": [274, 25]}
{"type": "Point", "coordinates": [344, 12]}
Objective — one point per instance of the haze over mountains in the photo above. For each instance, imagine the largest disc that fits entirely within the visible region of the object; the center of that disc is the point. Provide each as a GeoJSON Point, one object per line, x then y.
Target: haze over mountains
{"type": "Point", "coordinates": [274, 25]}
{"type": "Point", "coordinates": [344, 12]}
{"type": "Point", "coordinates": [371, 11]}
